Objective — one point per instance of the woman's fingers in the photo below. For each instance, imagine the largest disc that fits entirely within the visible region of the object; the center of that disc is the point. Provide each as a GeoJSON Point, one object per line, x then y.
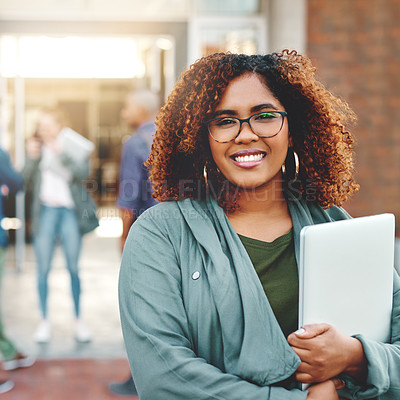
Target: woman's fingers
{"type": "Point", "coordinates": [339, 383]}
{"type": "Point", "coordinates": [304, 378]}
{"type": "Point", "coordinates": [301, 337]}
{"type": "Point", "coordinates": [303, 354]}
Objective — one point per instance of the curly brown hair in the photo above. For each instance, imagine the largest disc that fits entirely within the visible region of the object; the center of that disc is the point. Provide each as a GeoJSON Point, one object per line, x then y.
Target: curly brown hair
{"type": "Point", "coordinates": [316, 118]}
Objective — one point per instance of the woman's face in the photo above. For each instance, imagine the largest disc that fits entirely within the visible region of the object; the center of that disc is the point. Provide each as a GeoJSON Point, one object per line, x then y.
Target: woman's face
{"type": "Point", "coordinates": [243, 97]}
{"type": "Point", "coordinates": [133, 113]}
{"type": "Point", "coordinates": [48, 127]}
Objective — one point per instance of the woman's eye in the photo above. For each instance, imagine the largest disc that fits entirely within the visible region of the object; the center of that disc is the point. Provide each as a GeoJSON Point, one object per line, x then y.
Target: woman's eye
{"type": "Point", "coordinates": [266, 115]}
{"type": "Point", "coordinates": [226, 122]}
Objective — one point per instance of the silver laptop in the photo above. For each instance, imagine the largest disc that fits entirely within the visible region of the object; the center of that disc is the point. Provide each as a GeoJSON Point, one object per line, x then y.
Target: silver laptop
{"type": "Point", "coordinates": [346, 275]}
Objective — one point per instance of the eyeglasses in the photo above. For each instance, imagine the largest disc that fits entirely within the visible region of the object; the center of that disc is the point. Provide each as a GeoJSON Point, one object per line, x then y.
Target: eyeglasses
{"type": "Point", "coordinates": [264, 124]}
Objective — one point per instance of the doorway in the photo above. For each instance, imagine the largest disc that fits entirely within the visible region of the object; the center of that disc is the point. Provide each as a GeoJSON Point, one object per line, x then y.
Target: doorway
{"type": "Point", "coordinates": [88, 77]}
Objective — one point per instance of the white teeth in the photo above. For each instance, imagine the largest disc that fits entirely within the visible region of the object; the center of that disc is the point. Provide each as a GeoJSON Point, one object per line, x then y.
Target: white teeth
{"type": "Point", "coordinates": [250, 158]}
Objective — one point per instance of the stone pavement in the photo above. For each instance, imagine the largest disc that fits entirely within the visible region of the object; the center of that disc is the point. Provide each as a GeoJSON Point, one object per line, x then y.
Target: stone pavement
{"type": "Point", "coordinates": [70, 379]}
{"type": "Point", "coordinates": [99, 269]}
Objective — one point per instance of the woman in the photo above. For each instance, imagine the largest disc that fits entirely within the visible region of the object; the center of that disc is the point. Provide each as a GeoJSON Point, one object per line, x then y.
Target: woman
{"type": "Point", "coordinates": [60, 209]}
{"type": "Point", "coordinates": [248, 150]}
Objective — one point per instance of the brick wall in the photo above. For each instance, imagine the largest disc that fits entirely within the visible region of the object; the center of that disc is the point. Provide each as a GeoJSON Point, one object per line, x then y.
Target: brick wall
{"type": "Point", "coordinates": [355, 44]}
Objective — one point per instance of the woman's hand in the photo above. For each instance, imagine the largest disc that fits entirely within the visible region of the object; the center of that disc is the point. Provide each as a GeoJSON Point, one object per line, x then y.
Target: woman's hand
{"type": "Point", "coordinates": [325, 352]}
{"type": "Point", "coordinates": [326, 390]}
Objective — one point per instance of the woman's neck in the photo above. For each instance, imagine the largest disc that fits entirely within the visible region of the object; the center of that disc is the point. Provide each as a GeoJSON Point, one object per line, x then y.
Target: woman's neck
{"type": "Point", "coordinates": [262, 214]}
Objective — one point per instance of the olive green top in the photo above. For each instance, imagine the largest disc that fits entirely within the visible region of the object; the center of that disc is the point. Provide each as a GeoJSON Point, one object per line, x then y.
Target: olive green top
{"type": "Point", "coordinates": [275, 264]}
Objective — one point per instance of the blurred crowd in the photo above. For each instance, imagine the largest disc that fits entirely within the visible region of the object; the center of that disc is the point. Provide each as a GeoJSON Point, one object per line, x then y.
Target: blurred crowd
{"type": "Point", "coordinates": [61, 210]}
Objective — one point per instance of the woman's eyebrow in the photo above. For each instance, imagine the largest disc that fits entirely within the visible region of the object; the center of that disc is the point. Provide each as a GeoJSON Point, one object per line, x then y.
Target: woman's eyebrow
{"type": "Point", "coordinates": [262, 107]}
{"type": "Point", "coordinates": [253, 109]}
{"type": "Point", "coordinates": [223, 112]}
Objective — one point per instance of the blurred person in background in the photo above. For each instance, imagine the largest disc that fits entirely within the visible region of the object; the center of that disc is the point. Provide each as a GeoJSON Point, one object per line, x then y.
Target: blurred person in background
{"type": "Point", "coordinates": [135, 192]}
{"type": "Point", "coordinates": [248, 150]}
{"type": "Point", "coordinates": [10, 183]}
{"type": "Point", "coordinates": [61, 209]}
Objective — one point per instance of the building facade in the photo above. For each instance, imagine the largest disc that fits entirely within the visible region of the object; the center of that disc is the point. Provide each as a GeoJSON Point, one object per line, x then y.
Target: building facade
{"type": "Point", "coordinates": [354, 44]}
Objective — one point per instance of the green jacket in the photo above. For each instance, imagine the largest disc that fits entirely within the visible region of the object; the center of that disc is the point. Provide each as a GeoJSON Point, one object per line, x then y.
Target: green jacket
{"type": "Point", "coordinates": [196, 321]}
{"type": "Point", "coordinates": [85, 207]}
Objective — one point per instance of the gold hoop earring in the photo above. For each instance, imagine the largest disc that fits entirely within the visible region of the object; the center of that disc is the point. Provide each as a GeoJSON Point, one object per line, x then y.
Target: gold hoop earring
{"type": "Point", "coordinates": [205, 175]}
{"type": "Point", "coordinates": [296, 168]}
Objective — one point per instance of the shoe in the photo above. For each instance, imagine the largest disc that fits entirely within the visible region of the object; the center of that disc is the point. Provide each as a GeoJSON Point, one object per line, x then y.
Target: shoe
{"type": "Point", "coordinates": [43, 332]}
{"type": "Point", "coordinates": [126, 388]}
{"type": "Point", "coordinates": [5, 386]}
{"type": "Point", "coordinates": [82, 333]}
{"type": "Point", "coordinates": [19, 361]}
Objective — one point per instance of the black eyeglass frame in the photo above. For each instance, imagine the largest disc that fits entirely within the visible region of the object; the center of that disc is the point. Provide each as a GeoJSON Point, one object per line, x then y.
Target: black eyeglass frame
{"type": "Point", "coordinates": [242, 121]}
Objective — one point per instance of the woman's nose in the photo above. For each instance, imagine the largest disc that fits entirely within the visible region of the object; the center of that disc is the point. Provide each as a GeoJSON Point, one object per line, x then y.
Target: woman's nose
{"type": "Point", "coordinates": [246, 134]}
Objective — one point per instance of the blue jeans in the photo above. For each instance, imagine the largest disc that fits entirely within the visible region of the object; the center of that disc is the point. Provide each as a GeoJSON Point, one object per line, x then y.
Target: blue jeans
{"type": "Point", "coordinates": [57, 223]}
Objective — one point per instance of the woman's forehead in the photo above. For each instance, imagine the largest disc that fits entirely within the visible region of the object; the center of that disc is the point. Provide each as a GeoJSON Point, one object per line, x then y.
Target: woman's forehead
{"type": "Point", "coordinates": [246, 91]}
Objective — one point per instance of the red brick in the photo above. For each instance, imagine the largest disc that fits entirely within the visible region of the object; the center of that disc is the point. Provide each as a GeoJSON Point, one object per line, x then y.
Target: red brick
{"type": "Point", "coordinates": [355, 45]}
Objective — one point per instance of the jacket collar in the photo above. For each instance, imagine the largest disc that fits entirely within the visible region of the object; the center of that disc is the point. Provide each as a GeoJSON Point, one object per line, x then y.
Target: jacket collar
{"type": "Point", "coordinates": [254, 345]}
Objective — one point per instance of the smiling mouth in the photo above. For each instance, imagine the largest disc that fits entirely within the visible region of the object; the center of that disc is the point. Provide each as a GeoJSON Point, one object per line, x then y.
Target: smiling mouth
{"type": "Point", "coordinates": [248, 157]}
